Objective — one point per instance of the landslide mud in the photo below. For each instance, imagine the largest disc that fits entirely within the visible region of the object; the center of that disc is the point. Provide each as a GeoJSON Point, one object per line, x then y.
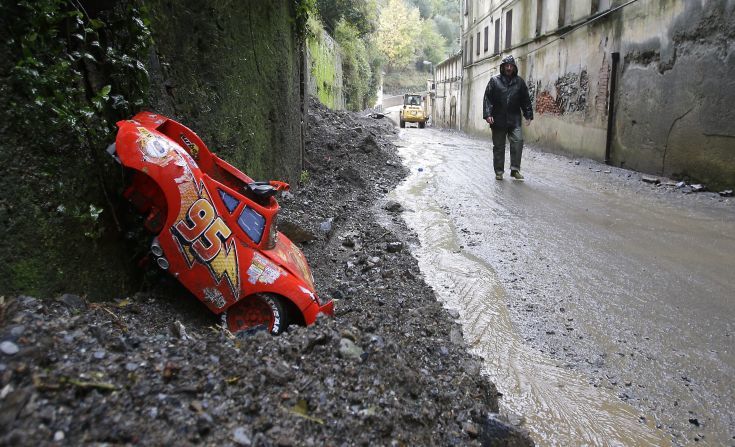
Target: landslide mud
{"type": "Point", "coordinates": [155, 369]}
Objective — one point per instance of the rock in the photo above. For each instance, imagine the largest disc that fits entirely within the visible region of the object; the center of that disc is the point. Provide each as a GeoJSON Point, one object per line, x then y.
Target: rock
{"type": "Point", "coordinates": [394, 247]}
{"type": "Point", "coordinates": [495, 432]}
{"type": "Point", "coordinates": [393, 206]}
{"type": "Point", "coordinates": [72, 301]}
{"type": "Point", "coordinates": [471, 429]}
{"type": "Point", "coordinates": [698, 188]}
{"type": "Point", "coordinates": [650, 179]}
{"type": "Point", "coordinates": [326, 226]}
{"type": "Point", "coordinates": [369, 144]}
{"type": "Point", "coordinates": [59, 436]}
{"type": "Point", "coordinates": [296, 233]}
{"type": "Point", "coordinates": [241, 437]}
{"type": "Point", "coordinates": [9, 348]}
{"type": "Point", "coordinates": [726, 193]}
{"type": "Point", "coordinates": [348, 349]}
{"type": "Point", "coordinates": [179, 331]}
{"type": "Point", "coordinates": [681, 184]}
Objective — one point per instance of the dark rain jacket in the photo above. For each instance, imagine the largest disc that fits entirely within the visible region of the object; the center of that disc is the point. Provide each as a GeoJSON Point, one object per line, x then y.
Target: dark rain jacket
{"type": "Point", "coordinates": [506, 98]}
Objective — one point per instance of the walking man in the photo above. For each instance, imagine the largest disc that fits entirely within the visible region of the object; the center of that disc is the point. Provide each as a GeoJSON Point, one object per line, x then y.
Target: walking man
{"type": "Point", "coordinates": [506, 97]}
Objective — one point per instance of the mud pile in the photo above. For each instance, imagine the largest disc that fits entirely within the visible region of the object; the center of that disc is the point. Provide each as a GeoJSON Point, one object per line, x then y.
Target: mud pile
{"type": "Point", "coordinates": [155, 368]}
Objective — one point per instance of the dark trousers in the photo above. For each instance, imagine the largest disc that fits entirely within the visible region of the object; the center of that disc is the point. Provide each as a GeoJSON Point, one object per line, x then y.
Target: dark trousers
{"type": "Point", "coordinates": [515, 137]}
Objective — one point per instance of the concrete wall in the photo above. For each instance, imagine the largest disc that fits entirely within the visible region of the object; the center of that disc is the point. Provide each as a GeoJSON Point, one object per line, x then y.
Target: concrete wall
{"type": "Point", "coordinates": [233, 75]}
{"type": "Point", "coordinates": [325, 71]}
{"type": "Point", "coordinates": [675, 112]}
{"type": "Point", "coordinates": [675, 80]}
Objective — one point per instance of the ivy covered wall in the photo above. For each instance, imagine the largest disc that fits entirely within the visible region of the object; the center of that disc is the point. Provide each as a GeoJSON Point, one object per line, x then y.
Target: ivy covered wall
{"type": "Point", "coordinates": [325, 70]}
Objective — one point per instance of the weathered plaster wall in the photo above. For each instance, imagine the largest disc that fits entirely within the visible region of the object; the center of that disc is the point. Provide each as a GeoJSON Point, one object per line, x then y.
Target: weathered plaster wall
{"type": "Point", "coordinates": [448, 93]}
{"type": "Point", "coordinates": [568, 85]}
{"type": "Point", "coordinates": [675, 114]}
{"type": "Point", "coordinates": [676, 83]}
{"type": "Point", "coordinates": [325, 71]}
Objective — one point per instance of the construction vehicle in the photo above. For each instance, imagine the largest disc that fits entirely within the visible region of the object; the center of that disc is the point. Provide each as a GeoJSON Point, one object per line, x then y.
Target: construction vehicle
{"type": "Point", "coordinates": [413, 111]}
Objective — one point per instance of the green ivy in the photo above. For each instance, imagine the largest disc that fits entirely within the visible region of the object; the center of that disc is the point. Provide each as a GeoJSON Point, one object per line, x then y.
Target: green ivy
{"type": "Point", "coordinates": [73, 75]}
{"type": "Point", "coordinates": [304, 9]}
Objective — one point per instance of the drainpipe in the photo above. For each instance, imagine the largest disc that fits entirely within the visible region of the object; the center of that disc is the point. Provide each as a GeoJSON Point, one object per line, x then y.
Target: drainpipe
{"type": "Point", "coordinates": [611, 106]}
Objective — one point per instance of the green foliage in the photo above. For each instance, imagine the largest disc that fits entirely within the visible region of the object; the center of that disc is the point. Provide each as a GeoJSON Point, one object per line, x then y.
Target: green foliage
{"type": "Point", "coordinates": [449, 29]}
{"type": "Point", "coordinates": [403, 81]}
{"type": "Point", "coordinates": [67, 78]}
{"type": "Point", "coordinates": [425, 7]}
{"type": "Point", "coordinates": [362, 14]}
{"type": "Point", "coordinates": [304, 10]}
{"type": "Point", "coordinates": [399, 29]}
{"type": "Point", "coordinates": [304, 178]}
{"type": "Point", "coordinates": [356, 70]}
{"type": "Point", "coordinates": [433, 44]}
{"type": "Point", "coordinates": [322, 67]}
{"type": "Point", "coordinates": [411, 31]}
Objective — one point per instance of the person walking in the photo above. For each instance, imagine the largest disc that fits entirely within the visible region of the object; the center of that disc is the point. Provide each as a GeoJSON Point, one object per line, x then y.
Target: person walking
{"type": "Point", "coordinates": [506, 98]}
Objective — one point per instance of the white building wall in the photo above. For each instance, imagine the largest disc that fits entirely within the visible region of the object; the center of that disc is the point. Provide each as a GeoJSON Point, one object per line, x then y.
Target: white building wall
{"type": "Point", "coordinates": [567, 62]}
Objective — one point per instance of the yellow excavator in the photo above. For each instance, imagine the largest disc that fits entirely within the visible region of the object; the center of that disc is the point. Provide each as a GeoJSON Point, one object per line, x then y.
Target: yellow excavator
{"type": "Point", "coordinates": [413, 111]}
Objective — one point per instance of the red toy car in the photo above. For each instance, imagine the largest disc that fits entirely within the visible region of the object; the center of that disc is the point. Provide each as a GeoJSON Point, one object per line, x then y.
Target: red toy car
{"type": "Point", "coordinates": [216, 227]}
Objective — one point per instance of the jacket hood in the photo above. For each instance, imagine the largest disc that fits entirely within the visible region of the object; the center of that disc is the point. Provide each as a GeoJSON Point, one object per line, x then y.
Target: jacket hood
{"type": "Point", "coordinates": [509, 60]}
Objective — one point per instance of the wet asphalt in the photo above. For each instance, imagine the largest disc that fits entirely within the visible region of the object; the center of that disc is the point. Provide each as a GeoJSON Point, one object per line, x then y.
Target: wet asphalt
{"type": "Point", "coordinates": [603, 306]}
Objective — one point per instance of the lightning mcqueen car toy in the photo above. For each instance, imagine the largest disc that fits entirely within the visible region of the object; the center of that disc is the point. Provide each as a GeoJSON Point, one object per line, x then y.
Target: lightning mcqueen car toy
{"type": "Point", "coordinates": [215, 227]}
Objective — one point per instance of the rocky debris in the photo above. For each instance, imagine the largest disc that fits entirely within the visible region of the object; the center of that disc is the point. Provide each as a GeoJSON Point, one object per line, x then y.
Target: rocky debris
{"type": "Point", "coordinates": [726, 193]}
{"type": "Point", "coordinates": [156, 369]}
{"type": "Point", "coordinates": [393, 206]}
{"type": "Point", "coordinates": [650, 179]}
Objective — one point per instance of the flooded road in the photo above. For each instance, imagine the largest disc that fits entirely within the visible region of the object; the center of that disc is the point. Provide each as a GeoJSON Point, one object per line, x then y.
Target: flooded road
{"type": "Point", "coordinates": [603, 308]}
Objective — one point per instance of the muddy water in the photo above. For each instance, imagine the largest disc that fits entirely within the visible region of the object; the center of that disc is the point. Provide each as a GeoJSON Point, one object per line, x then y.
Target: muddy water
{"type": "Point", "coordinates": [622, 280]}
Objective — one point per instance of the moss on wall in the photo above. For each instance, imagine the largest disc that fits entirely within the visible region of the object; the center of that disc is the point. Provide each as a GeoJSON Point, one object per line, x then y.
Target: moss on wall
{"type": "Point", "coordinates": [325, 70]}
{"type": "Point", "coordinates": [232, 74]}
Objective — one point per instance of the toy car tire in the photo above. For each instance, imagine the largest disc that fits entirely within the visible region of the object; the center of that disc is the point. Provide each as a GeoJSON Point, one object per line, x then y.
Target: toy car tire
{"type": "Point", "coordinates": [262, 311]}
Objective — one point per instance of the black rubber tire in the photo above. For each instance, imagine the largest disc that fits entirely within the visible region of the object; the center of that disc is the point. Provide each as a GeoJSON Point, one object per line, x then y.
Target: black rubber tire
{"type": "Point", "coordinates": [279, 319]}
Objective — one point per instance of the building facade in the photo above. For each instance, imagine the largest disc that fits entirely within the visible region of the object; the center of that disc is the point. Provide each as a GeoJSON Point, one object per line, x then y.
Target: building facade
{"type": "Point", "coordinates": [448, 91]}
{"type": "Point", "coordinates": [643, 84]}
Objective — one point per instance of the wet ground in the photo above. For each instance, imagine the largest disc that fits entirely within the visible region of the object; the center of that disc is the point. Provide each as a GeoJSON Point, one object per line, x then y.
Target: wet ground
{"type": "Point", "coordinates": [602, 305]}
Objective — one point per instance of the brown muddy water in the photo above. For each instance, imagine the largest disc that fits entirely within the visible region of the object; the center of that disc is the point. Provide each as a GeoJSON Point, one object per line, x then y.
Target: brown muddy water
{"type": "Point", "coordinates": [603, 309]}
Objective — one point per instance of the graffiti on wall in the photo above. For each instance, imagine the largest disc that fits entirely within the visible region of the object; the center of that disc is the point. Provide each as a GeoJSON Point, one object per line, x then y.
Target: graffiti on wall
{"type": "Point", "coordinates": [567, 95]}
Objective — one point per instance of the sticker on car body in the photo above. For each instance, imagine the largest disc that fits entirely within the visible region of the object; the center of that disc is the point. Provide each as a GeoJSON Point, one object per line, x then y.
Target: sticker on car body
{"type": "Point", "coordinates": [262, 270]}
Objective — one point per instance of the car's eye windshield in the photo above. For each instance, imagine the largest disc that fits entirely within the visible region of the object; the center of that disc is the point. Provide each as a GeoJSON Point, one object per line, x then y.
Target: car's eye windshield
{"type": "Point", "coordinates": [229, 201]}
{"type": "Point", "coordinates": [252, 223]}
